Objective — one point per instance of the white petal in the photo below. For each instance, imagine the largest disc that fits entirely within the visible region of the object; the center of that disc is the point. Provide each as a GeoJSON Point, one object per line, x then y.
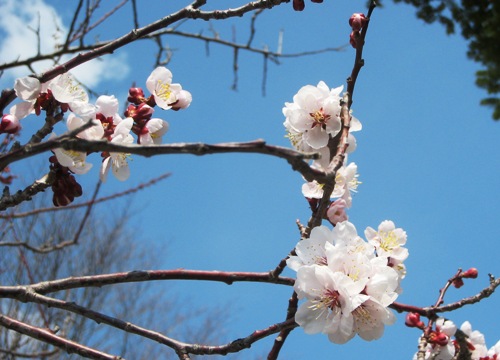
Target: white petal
{"type": "Point", "coordinates": [27, 88]}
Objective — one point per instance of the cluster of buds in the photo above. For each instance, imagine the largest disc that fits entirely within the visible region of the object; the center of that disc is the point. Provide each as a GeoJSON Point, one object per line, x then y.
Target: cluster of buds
{"type": "Point", "coordinates": [65, 188]}
{"type": "Point", "coordinates": [357, 21]}
{"type": "Point", "coordinates": [458, 281]}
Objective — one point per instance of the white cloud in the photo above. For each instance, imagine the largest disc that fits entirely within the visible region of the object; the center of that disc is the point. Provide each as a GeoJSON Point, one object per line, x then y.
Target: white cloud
{"type": "Point", "coordinates": [19, 42]}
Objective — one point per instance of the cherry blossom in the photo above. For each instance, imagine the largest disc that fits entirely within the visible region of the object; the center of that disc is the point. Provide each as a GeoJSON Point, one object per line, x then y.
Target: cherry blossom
{"type": "Point", "coordinates": [388, 240]}
{"type": "Point", "coordinates": [337, 272]}
{"type": "Point", "coordinates": [153, 131]}
{"type": "Point", "coordinates": [346, 181]}
{"type": "Point", "coordinates": [493, 352]}
{"type": "Point", "coordinates": [66, 90]}
{"type": "Point", "coordinates": [314, 114]}
{"type": "Point", "coordinates": [440, 346]}
{"type": "Point", "coordinates": [118, 161]}
{"type": "Point", "coordinates": [27, 88]}
{"type": "Point", "coordinates": [166, 94]}
{"type": "Point", "coordinates": [370, 319]}
{"type": "Point", "coordinates": [331, 297]}
{"type": "Point", "coordinates": [311, 250]}
{"type": "Point", "coordinates": [475, 340]}
{"type": "Point", "coordinates": [76, 160]}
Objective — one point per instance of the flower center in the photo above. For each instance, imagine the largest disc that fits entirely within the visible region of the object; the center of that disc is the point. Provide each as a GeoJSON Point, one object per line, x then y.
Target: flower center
{"type": "Point", "coordinates": [388, 241]}
{"type": "Point", "coordinates": [320, 118]}
{"type": "Point", "coordinates": [163, 90]}
{"type": "Point", "coordinates": [328, 300]}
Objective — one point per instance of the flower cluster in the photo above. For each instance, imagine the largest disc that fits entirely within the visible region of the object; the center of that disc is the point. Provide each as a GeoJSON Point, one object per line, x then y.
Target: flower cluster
{"type": "Point", "coordinates": [347, 282]}
{"type": "Point", "coordinates": [441, 346]}
{"type": "Point", "coordinates": [312, 121]}
{"type": "Point", "coordinates": [99, 121]}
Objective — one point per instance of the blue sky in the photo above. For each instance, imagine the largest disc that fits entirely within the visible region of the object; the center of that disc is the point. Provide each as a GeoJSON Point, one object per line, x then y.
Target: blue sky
{"type": "Point", "coordinates": [427, 157]}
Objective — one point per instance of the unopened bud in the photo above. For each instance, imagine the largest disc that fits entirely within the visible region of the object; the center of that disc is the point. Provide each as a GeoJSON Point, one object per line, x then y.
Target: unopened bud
{"type": "Point", "coordinates": [413, 320]}
{"type": "Point", "coordinates": [10, 124]}
{"type": "Point", "coordinates": [470, 274]}
{"type": "Point", "coordinates": [298, 5]}
{"type": "Point", "coordinates": [140, 112]}
{"type": "Point", "coordinates": [458, 283]}
{"type": "Point", "coordinates": [336, 211]}
{"type": "Point", "coordinates": [439, 338]}
{"type": "Point", "coordinates": [357, 21]}
{"type": "Point", "coordinates": [136, 95]}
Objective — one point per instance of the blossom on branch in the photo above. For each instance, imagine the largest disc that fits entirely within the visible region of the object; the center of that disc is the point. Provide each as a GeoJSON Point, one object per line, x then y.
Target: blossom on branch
{"type": "Point", "coordinates": [347, 287]}
{"type": "Point", "coordinates": [76, 160]}
{"type": "Point", "coordinates": [152, 132]}
{"type": "Point", "coordinates": [118, 161]}
{"type": "Point", "coordinates": [313, 116]}
{"type": "Point", "coordinates": [166, 94]}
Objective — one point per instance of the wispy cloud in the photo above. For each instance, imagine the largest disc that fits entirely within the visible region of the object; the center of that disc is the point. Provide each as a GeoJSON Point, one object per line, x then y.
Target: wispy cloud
{"type": "Point", "coordinates": [19, 19]}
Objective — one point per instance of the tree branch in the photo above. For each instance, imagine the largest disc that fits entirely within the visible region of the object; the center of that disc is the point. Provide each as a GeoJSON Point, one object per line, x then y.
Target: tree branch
{"type": "Point", "coordinates": [49, 337]}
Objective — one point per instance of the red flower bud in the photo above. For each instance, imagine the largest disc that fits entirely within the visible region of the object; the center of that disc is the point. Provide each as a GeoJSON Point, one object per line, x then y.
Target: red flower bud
{"type": "Point", "coordinates": [458, 283]}
{"type": "Point", "coordinates": [357, 21]}
{"type": "Point", "coordinates": [298, 5]}
{"type": "Point", "coordinates": [413, 320]}
{"type": "Point", "coordinates": [470, 274]}
{"type": "Point", "coordinates": [141, 112]}
{"type": "Point", "coordinates": [439, 338]}
{"type": "Point", "coordinates": [136, 95]}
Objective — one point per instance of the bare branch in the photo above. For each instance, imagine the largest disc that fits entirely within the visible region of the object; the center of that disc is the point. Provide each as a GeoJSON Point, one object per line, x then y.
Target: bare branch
{"type": "Point", "coordinates": [294, 158]}
{"type": "Point", "coordinates": [87, 203]}
{"type": "Point", "coordinates": [430, 312]}
{"type": "Point", "coordinates": [49, 337]}
{"type": "Point", "coordinates": [23, 292]}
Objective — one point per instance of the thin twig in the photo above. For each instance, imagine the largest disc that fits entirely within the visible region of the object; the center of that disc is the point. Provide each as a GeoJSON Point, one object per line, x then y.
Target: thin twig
{"type": "Point", "coordinates": [49, 337]}
{"type": "Point", "coordinates": [87, 203]}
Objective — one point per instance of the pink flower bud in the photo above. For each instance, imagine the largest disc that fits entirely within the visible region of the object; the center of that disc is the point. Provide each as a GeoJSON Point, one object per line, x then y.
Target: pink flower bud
{"type": "Point", "coordinates": [470, 274]}
{"type": "Point", "coordinates": [413, 320]}
{"type": "Point", "coordinates": [10, 124]}
{"type": "Point", "coordinates": [336, 212]}
{"type": "Point", "coordinates": [357, 21]}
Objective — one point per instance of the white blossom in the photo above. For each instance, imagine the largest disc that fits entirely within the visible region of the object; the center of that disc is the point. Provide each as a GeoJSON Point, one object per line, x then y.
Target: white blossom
{"type": "Point", "coordinates": [118, 161]}
{"type": "Point", "coordinates": [314, 116]}
{"type": "Point", "coordinates": [66, 90]}
{"type": "Point", "coordinates": [388, 241]}
{"type": "Point", "coordinates": [153, 131]}
{"type": "Point", "coordinates": [166, 94]}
